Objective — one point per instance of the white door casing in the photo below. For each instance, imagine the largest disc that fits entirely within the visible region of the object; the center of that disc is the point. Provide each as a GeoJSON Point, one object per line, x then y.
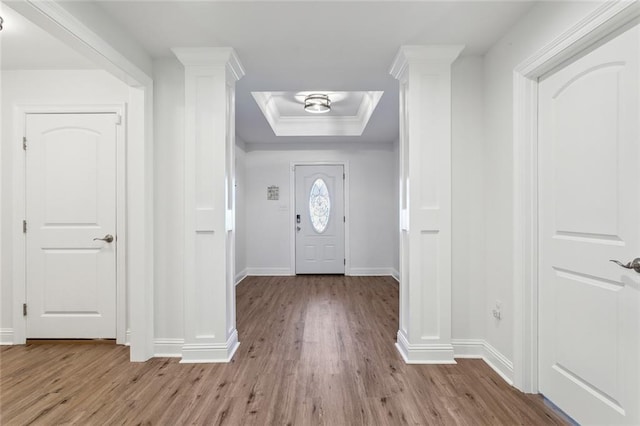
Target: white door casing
{"type": "Point", "coordinates": [71, 181]}
{"type": "Point", "coordinates": [320, 242]}
{"type": "Point", "coordinates": [589, 204]}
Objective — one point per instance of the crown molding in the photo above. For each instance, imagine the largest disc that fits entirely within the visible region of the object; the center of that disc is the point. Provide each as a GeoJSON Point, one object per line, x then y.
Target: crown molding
{"type": "Point", "coordinates": [266, 103]}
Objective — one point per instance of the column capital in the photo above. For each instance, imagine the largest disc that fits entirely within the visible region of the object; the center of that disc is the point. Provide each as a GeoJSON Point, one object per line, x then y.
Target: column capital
{"type": "Point", "coordinates": [210, 56]}
{"type": "Point", "coordinates": [440, 54]}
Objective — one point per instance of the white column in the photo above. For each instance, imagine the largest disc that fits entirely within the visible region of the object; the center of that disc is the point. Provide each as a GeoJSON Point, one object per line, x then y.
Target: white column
{"type": "Point", "coordinates": [210, 333]}
{"type": "Point", "coordinates": [424, 73]}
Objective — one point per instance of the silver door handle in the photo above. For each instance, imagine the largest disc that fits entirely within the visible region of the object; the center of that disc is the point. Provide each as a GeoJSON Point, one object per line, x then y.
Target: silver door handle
{"type": "Point", "coordinates": [108, 238]}
{"type": "Point", "coordinates": [634, 264]}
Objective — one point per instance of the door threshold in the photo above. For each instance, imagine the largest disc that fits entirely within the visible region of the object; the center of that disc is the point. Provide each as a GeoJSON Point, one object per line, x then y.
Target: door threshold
{"type": "Point", "coordinates": [314, 274]}
{"type": "Point", "coordinates": [71, 341]}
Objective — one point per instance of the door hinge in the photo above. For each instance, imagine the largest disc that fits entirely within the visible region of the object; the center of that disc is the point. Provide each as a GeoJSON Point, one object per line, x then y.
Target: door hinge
{"type": "Point", "coordinates": [24, 226]}
{"type": "Point", "coordinates": [24, 143]}
{"type": "Point", "coordinates": [344, 219]}
{"type": "Point", "coordinates": [118, 119]}
{"type": "Point", "coordinates": [344, 176]}
{"type": "Point", "coordinates": [24, 309]}
{"type": "Point", "coordinates": [345, 262]}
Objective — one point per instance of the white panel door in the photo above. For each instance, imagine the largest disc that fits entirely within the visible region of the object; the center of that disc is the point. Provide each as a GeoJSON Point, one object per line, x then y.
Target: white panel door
{"type": "Point", "coordinates": [589, 171]}
{"type": "Point", "coordinates": [319, 219]}
{"type": "Point", "coordinates": [71, 201]}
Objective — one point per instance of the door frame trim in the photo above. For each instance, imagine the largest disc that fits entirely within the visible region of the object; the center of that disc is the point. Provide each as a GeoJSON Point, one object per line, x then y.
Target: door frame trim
{"type": "Point", "coordinates": [292, 203]}
{"type": "Point", "coordinates": [19, 211]}
{"type": "Point", "coordinates": [607, 19]}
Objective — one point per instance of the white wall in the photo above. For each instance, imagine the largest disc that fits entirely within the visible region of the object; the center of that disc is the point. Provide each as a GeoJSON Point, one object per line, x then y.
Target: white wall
{"type": "Point", "coordinates": [373, 202]}
{"type": "Point", "coordinates": [169, 197]}
{"type": "Point", "coordinates": [396, 217]}
{"type": "Point", "coordinates": [467, 134]}
{"type": "Point", "coordinates": [241, 225]}
{"type": "Point", "coordinates": [544, 22]}
{"type": "Point", "coordinates": [77, 87]}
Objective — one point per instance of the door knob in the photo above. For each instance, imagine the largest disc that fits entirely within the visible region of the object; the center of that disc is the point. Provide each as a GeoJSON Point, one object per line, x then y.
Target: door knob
{"type": "Point", "coordinates": [634, 264]}
{"type": "Point", "coordinates": [108, 238]}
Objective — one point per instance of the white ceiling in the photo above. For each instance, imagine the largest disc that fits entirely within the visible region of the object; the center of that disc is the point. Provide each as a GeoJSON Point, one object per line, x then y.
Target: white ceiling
{"type": "Point", "coordinates": [300, 45]}
{"type": "Point", "coordinates": [24, 46]}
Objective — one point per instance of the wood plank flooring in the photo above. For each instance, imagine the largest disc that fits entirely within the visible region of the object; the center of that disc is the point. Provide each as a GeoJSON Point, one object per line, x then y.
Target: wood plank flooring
{"type": "Point", "coordinates": [314, 350]}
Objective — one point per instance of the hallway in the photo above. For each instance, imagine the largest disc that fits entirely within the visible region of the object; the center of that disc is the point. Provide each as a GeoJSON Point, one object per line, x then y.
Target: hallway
{"type": "Point", "coordinates": [315, 350]}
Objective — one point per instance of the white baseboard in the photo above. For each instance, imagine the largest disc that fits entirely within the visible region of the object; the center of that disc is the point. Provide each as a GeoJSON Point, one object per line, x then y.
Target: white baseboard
{"type": "Point", "coordinates": [167, 348]}
{"type": "Point", "coordinates": [197, 353]}
{"type": "Point", "coordinates": [500, 363]}
{"type": "Point", "coordinates": [356, 272]}
{"type": "Point", "coordinates": [374, 272]}
{"type": "Point", "coordinates": [6, 336]}
{"type": "Point", "coordinates": [468, 348]}
{"type": "Point", "coordinates": [269, 272]}
{"type": "Point", "coordinates": [481, 349]}
{"type": "Point", "coordinates": [435, 353]}
{"type": "Point", "coordinates": [241, 276]}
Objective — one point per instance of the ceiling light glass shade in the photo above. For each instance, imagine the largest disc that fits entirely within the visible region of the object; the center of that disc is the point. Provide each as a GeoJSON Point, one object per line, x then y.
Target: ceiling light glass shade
{"type": "Point", "coordinates": [317, 103]}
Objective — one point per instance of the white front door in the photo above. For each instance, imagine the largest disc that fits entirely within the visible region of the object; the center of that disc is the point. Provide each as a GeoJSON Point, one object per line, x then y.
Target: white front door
{"type": "Point", "coordinates": [319, 219]}
{"type": "Point", "coordinates": [71, 201]}
{"type": "Point", "coordinates": [589, 200]}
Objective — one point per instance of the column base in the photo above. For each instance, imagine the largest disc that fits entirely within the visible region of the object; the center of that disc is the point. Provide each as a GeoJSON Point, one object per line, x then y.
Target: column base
{"type": "Point", "coordinates": [196, 353]}
{"type": "Point", "coordinates": [429, 353]}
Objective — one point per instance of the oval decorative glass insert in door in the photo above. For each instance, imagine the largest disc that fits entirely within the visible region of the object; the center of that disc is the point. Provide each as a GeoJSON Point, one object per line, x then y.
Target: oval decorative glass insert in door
{"type": "Point", "coordinates": [319, 205]}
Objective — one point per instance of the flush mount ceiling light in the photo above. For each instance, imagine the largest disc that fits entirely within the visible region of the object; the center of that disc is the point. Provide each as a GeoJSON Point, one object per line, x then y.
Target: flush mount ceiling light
{"type": "Point", "coordinates": [317, 103]}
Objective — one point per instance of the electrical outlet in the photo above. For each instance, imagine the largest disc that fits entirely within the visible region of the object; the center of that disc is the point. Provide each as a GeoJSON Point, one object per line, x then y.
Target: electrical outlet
{"type": "Point", "coordinates": [497, 311]}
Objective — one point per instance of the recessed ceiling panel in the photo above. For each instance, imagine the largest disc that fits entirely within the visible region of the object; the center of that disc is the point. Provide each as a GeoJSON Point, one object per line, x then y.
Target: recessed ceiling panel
{"type": "Point", "coordinates": [350, 112]}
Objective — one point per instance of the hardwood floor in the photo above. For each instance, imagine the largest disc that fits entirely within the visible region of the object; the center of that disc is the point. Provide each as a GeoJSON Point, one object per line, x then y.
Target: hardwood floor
{"type": "Point", "coordinates": [315, 350]}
